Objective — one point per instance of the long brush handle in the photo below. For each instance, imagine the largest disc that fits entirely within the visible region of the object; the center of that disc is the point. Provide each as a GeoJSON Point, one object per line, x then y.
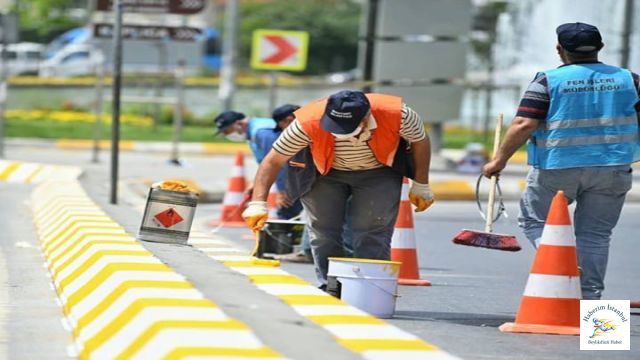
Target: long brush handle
{"type": "Point", "coordinates": [494, 179]}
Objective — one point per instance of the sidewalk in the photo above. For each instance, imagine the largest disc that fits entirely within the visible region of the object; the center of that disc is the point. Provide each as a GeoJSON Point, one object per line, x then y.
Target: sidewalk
{"type": "Point", "coordinates": [447, 184]}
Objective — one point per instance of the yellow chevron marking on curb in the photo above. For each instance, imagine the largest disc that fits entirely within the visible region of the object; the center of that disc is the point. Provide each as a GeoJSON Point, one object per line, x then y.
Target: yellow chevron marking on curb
{"type": "Point", "coordinates": [104, 274]}
{"type": "Point", "coordinates": [277, 279]}
{"type": "Point", "coordinates": [311, 300]}
{"type": "Point", "coordinates": [383, 344]}
{"type": "Point", "coordinates": [186, 352]}
{"type": "Point", "coordinates": [345, 319]}
{"type": "Point", "coordinates": [90, 218]}
{"type": "Point", "coordinates": [54, 243]}
{"type": "Point", "coordinates": [154, 329]}
{"type": "Point", "coordinates": [125, 240]}
{"type": "Point", "coordinates": [136, 308]}
{"type": "Point", "coordinates": [35, 173]}
{"type": "Point", "coordinates": [4, 175]}
{"type": "Point", "coordinates": [92, 260]}
{"type": "Point", "coordinates": [100, 308]}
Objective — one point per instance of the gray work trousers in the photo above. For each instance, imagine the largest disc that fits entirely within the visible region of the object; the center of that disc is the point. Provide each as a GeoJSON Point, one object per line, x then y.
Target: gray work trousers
{"type": "Point", "coordinates": [599, 193]}
{"type": "Point", "coordinates": [375, 198]}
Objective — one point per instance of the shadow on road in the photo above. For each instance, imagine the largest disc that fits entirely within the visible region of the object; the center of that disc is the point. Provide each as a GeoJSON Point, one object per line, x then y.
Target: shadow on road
{"type": "Point", "coordinates": [468, 319]}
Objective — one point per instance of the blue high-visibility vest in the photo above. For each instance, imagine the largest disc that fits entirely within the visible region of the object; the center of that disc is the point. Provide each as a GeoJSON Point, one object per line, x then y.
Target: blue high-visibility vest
{"type": "Point", "coordinates": [591, 121]}
{"type": "Point", "coordinates": [256, 124]}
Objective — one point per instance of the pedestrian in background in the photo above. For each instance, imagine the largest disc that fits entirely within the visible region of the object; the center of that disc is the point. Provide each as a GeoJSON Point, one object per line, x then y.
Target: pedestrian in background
{"type": "Point", "coordinates": [357, 148]}
{"type": "Point", "coordinates": [237, 127]}
{"type": "Point", "coordinates": [581, 120]}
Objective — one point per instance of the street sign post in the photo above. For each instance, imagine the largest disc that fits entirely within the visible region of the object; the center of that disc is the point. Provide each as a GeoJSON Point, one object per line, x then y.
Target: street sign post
{"type": "Point", "coordinates": [279, 50]}
{"type": "Point", "coordinates": [181, 7]}
{"type": "Point", "coordinates": [146, 32]}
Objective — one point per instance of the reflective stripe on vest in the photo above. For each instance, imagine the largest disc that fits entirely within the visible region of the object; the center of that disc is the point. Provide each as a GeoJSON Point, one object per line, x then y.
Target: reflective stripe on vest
{"type": "Point", "coordinates": [591, 121]}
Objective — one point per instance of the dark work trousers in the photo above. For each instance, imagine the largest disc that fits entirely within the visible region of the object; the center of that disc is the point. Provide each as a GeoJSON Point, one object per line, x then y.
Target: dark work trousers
{"type": "Point", "coordinates": [375, 197]}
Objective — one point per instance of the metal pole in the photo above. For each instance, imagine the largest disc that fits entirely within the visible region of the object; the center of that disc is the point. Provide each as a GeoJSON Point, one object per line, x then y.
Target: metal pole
{"type": "Point", "coordinates": [228, 71]}
{"type": "Point", "coordinates": [159, 85]}
{"type": "Point", "coordinates": [273, 90]}
{"type": "Point", "coordinates": [370, 38]}
{"type": "Point", "coordinates": [177, 113]}
{"type": "Point", "coordinates": [97, 130]}
{"type": "Point", "coordinates": [117, 82]}
{"type": "Point", "coordinates": [627, 30]}
{"type": "Point", "coordinates": [3, 82]}
{"type": "Point", "coordinates": [488, 105]}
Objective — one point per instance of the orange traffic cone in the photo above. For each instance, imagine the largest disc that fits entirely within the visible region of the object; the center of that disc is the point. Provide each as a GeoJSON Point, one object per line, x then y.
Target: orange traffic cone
{"type": "Point", "coordinates": [233, 201]}
{"type": "Point", "coordinates": [551, 300]}
{"type": "Point", "coordinates": [403, 242]}
{"type": "Point", "coordinates": [272, 201]}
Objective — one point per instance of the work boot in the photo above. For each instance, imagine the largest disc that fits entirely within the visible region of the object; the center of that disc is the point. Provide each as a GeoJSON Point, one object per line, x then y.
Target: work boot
{"type": "Point", "coordinates": [297, 257]}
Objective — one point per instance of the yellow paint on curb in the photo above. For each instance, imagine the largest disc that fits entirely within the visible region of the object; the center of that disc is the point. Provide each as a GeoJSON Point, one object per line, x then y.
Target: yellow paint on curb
{"type": "Point", "coordinates": [91, 261]}
{"type": "Point", "coordinates": [156, 328]}
{"type": "Point", "coordinates": [231, 149]}
{"type": "Point", "coordinates": [277, 279]}
{"type": "Point", "coordinates": [311, 300]}
{"type": "Point", "coordinates": [453, 190]}
{"type": "Point", "coordinates": [384, 344]}
{"type": "Point", "coordinates": [104, 305]}
{"type": "Point", "coordinates": [196, 352]}
{"type": "Point", "coordinates": [35, 173]}
{"type": "Point", "coordinates": [4, 175]}
{"type": "Point", "coordinates": [80, 144]}
{"type": "Point", "coordinates": [139, 305]}
{"type": "Point", "coordinates": [252, 263]}
{"type": "Point", "coordinates": [345, 319]}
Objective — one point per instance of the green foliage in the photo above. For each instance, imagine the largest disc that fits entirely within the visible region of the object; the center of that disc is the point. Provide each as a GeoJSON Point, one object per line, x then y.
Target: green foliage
{"type": "Point", "coordinates": [332, 26]}
{"type": "Point", "coordinates": [43, 20]}
{"type": "Point", "coordinates": [485, 19]}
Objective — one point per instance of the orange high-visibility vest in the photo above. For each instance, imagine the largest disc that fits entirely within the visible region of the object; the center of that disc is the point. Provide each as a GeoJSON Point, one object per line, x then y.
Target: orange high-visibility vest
{"type": "Point", "coordinates": [386, 109]}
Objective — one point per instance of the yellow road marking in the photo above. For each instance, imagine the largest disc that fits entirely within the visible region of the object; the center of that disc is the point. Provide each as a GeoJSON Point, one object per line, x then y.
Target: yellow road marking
{"type": "Point", "coordinates": [92, 261]}
{"type": "Point", "coordinates": [345, 319]}
{"type": "Point", "coordinates": [4, 175]}
{"type": "Point", "coordinates": [123, 288]}
{"type": "Point", "coordinates": [126, 240]}
{"type": "Point", "coordinates": [276, 279]}
{"type": "Point", "coordinates": [311, 300]}
{"type": "Point", "coordinates": [384, 344]}
{"type": "Point", "coordinates": [35, 173]}
{"type": "Point", "coordinates": [186, 352]}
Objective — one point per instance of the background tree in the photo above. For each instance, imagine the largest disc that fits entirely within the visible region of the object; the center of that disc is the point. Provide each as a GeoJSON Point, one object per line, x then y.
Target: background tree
{"type": "Point", "coordinates": [43, 20]}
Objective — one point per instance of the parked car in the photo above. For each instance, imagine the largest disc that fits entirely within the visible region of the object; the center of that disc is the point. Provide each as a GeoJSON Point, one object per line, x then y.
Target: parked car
{"type": "Point", "coordinates": [24, 58]}
{"type": "Point", "coordinates": [72, 60]}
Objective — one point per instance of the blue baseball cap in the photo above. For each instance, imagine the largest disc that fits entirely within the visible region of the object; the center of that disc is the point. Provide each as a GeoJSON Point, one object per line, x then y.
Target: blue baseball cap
{"type": "Point", "coordinates": [579, 37]}
{"type": "Point", "coordinates": [344, 112]}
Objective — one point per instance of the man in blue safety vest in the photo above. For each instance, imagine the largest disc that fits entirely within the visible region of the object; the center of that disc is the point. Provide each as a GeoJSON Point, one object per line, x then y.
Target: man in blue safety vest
{"type": "Point", "coordinates": [581, 120]}
{"type": "Point", "coordinates": [237, 127]}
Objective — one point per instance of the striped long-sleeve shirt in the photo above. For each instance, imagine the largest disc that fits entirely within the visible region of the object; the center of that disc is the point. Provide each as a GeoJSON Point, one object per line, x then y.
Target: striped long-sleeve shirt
{"type": "Point", "coordinates": [351, 154]}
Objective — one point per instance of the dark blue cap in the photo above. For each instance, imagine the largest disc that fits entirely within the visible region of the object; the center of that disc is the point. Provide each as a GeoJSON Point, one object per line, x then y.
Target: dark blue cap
{"type": "Point", "coordinates": [281, 112]}
{"type": "Point", "coordinates": [579, 37]}
{"type": "Point", "coordinates": [344, 112]}
{"type": "Point", "coordinates": [225, 119]}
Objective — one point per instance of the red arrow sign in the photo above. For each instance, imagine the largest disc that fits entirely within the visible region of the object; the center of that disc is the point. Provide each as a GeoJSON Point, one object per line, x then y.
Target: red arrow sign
{"type": "Point", "coordinates": [284, 49]}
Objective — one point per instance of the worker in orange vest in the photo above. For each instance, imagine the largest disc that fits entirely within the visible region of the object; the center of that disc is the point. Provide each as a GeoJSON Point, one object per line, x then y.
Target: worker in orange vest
{"type": "Point", "coordinates": [357, 146]}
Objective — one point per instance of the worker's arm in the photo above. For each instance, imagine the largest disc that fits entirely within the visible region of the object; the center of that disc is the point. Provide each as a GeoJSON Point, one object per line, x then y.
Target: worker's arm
{"type": "Point", "coordinates": [256, 213]}
{"type": "Point", "coordinates": [517, 135]}
{"type": "Point", "coordinates": [267, 174]}
{"type": "Point", "coordinates": [421, 152]}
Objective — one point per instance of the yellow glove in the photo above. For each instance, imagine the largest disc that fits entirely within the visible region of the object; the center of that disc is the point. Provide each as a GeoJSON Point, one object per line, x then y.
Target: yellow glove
{"type": "Point", "coordinates": [421, 196]}
{"type": "Point", "coordinates": [256, 214]}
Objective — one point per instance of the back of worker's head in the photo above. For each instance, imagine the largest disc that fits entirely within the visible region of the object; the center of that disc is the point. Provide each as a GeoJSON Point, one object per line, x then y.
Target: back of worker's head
{"type": "Point", "coordinates": [344, 112]}
{"type": "Point", "coordinates": [283, 115]}
{"type": "Point", "coordinates": [578, 41]}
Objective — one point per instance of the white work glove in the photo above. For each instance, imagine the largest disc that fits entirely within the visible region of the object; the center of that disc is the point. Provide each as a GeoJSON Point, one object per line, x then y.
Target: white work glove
{"type": "Point", "coordinates": [256, 214]}
{"type": "Point", "coordinates": [421, 196]}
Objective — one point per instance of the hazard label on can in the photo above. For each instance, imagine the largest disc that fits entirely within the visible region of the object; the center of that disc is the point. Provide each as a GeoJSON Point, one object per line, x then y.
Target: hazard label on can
{"type": "Point", "coordinates": [168, 218]}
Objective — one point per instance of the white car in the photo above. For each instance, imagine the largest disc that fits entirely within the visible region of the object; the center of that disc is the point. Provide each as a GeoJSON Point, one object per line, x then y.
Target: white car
{"type": "Point", "coordinates": [72, 60]}
{"type": "Point", "coordinates": [24, 58]}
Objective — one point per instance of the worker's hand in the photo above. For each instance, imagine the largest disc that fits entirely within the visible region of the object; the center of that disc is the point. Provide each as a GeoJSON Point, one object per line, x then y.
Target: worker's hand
{"type": "Point", "coordinates": [256, 214]}
{"type": "Point", "coordinates": [421, 196]}
{"type": "Point", "coordinates": [493, 167]}
{"type": "Point", "coordinates": [249, 190]}
{"type": "Point", "coordinates": [283, 200]}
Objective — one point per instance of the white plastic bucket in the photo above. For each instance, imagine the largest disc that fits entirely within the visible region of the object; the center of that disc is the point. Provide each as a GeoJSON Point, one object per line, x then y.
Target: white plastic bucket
{"type": "Point", "coordinates": [369, 285]}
